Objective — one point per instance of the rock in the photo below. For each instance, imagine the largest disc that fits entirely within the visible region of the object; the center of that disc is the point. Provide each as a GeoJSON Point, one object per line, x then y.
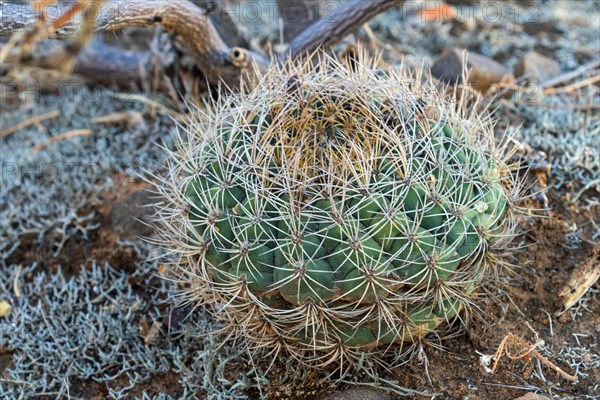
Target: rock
{"type": "Point", "coordinates": [126, 216]}
{"type": "Point", "coordinates": [537, 27]}
{"type": "Point", "coordinates": [482, 72]}
{"type": "Point", "coordinates": [536, 67]}
{"type": "Point", "coordinates": [5, 308]}
{"type": "Point", "coordinates": [532, 396]}
{"type": "Point", "coordinates": [358, 394]}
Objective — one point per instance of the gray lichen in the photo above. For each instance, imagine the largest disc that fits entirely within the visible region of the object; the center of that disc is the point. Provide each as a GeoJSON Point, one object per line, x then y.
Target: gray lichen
{"type": "Point", "coordinates": [42, 190]}
{"type": "Point", "coordinates": [69, 332]}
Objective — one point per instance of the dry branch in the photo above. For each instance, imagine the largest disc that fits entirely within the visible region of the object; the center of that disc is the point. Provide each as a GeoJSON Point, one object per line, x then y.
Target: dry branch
{"type": "Point", "coordinates": [204, 28]}
{"type": "Point", "coordinates": [337, 25]}
{"type": "Point", "coordinates": [101, 62]}
{"type": "Point", "coordinates": [110, 64]}
{"type": "Point", "coordinates": [216, 60]}
{"type": "Point", "coordinates": [223, 22]}
{"type": "Point", "coordinates": [297, 15]}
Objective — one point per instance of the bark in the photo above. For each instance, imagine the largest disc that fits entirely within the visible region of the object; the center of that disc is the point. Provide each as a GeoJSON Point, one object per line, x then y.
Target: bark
{"type": "Point", "coordinates": [337, 25]}
{"type": "Point", "coordinates": [109, 64]}
{"type": "Point", "coordinates": [223, 22]}
{"type": "Point", "coordinates": [101, 63]}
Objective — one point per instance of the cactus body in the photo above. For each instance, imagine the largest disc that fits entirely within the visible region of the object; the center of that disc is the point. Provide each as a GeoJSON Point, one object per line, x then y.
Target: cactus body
{"type": "Point", "coordinates": [333, 209]}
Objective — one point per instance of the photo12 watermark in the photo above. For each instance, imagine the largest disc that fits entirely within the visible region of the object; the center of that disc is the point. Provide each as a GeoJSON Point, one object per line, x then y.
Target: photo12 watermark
{"type": "Point", "coordinates": [257, 11]}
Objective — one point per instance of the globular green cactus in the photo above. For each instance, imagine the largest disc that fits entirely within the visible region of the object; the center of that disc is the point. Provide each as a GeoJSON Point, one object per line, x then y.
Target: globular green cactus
{"type": "Point", "coordinates": [333, 211]}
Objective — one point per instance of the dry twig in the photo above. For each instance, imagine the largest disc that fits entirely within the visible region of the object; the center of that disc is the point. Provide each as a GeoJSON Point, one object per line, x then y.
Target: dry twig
{"type": "Point", "coordinates": [562, 78]}
{"type": "Point", "coordinates": [36, 119]}
{"type": "Point", "coordinates": [127, 118]}
{"type": "Point", "coordinates": [62, 136]}
{"type": "Point", "coordinates": [65, 58]}
{"type": "Point", "coordinates": [574, 86]}
{"type": "Point", "coordinates": [516, 348]}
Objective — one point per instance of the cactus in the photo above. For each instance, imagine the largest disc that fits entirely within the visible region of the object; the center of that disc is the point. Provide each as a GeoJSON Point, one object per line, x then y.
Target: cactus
{"type": "Point", "coordinates": [332, 211]}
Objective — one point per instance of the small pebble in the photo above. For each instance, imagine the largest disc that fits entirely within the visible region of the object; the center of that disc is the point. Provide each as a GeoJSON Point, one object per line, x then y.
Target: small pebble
{"type": "Point", "coordinates": [536, 67]}
{"type": "Point", "coordinates": [5, 308]}
{"type": "Point", "coordinates": [483, 72]}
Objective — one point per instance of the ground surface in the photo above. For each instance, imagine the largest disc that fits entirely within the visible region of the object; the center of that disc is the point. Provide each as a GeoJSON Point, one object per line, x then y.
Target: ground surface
{"type": "Point", "coordinates": [92, 317]}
